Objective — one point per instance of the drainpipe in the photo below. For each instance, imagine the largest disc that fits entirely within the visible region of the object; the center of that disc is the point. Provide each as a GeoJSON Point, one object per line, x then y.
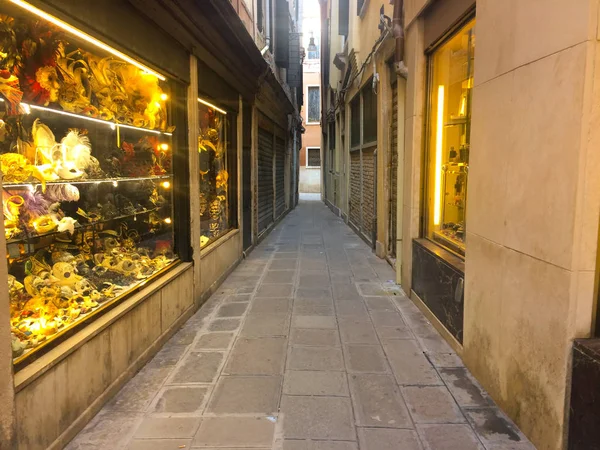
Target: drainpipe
{"type": "Point", "coordinates": [398, 30]}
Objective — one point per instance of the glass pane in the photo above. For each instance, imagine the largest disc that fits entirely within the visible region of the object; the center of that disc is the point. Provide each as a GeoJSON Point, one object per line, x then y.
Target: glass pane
{"type": "Point", "coordinates": [355, 121]}
{"type": "Point", "coordinates": [314, 157]}
{"type": "Point", "coordinates": [314, 104]}
{"type": "Point", "coordinates": [369, 114]}
{"type": "Point", "coordinates": [217, 174]}
{"type": "Point", "coordinates": [449, 140]}
{"type": "Point", "coordinates": [86, 152]}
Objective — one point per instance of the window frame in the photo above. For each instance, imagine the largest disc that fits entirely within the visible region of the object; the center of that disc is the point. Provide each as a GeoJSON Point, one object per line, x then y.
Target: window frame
{"type": "Point", "coordinates": [320, 162]}
{"type": "Point", "coordinates": [308, 121]}
{"type": "Point", "coordinates": [426, 173]}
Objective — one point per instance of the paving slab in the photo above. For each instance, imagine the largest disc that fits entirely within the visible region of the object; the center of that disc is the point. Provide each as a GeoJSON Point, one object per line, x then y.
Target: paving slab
{"type": "Point", "coordinates": [159, 444]}
{"type": "Point", "coordinates": [260, 356]}
{"type": "Point", "coordinates": [327, 418]}
{"type": "Point", "coordinates": [449, 437]}
{"type": "Point", "coordinates": [356, 331]}
{"type": "Point", "coordinates": [214, 341]}
{"type": "Point", "coordinates": [409, 364]}
{"type": "Point", "coordinates": [198, 367]}
{"type": "Point", "coordinates": [365, 358]}
{"type": "Point", "coordinates": [318, 445]}
{"type": "Point", "coordinates": [271, 306]}
{"type": "Point", "coordinates": [327, 322]}
{"type": "Point", "coordinates": [432, 404]}
{"type": "Point", "coordinates": [378, 402]}
{"type": "Point", "coordinates": [243, 395]}
{"type": "Point", "coordinates": [232, 309]}
{"type": "Point", "coordinates": [307, 382]}
{"type": "Point", "coordinates": [316, 358]}
{"type": "Point", "coordinates": [388, 439]}
{"type": "Point", "coordinates": [315, 337]}
{"type": "Point", "coordinates": [249, 432]}
{"type": "Point", "coordinates": [181, 399]}
{"type": "Point", "coordinates": [168, 427]}
{"type": "Point", "coordinates": [264, 325]}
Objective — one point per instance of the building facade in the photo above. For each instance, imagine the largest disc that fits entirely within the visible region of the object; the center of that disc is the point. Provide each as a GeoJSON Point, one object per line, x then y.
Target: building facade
{"type": "Point", "coordinates": [479, 115]}
{"type": "Point", "coordinates": [136, 140]}
{"type": "Point", "coordinates": [311, 154]}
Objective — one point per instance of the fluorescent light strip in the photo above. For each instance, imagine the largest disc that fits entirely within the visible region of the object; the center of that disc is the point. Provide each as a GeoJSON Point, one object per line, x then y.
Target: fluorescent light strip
{"type": "Point", "coordinates": [437, 200]}
{"type": "Point", "coordinates": [204, 102]}
{"type": "Point", "coordinates": [80, 34]}
{"type": "Point", "coordinates": [91, 119]}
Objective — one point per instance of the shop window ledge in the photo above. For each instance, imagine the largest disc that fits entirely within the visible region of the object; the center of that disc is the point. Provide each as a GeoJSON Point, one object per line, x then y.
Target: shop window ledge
{"type": "Point", "coordinates": [213, 246]}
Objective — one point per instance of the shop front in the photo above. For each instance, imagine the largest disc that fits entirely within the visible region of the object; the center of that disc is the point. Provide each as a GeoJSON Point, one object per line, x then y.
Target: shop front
{"type": "Point", "coordinates": [438, 254]}
{"type": "Point", "coordinates": [94, 162]}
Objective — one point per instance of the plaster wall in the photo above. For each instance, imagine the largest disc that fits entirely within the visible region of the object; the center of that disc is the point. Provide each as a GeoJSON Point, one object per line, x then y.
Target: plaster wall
{"type": "Point", "coordinates": [534, 199]}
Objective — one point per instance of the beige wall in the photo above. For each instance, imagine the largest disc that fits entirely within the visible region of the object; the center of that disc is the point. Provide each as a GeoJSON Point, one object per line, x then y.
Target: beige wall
{"type": "Point", "coordinates": [534, 199]}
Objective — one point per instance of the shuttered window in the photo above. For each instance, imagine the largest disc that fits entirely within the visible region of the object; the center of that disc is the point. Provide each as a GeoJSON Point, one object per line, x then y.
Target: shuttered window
{"type": "Point", "coordinates": [265, 179]}
{"type": "Point", "coordinates": [313, 157]}
{"type": "Point", "coordinates": [314, 104]}
{"type": "Point", "coordinates": [279, 177]}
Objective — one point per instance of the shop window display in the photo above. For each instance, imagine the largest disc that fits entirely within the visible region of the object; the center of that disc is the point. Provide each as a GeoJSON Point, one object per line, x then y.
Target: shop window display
{"type": "Point", "coordinates": [217, 173]}
{"type": "Point", "coordinates": [86, 153]}
{"type": "Point", "coordinates": [449, 125]}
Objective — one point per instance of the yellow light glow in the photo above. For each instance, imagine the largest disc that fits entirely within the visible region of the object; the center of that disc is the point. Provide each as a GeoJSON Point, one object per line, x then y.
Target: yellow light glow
{"type": "Point", "coordinates": [437, 200]}
{"type": "Point", "coordinates": [204, 102]}
{"type": "Point", "coordinates": [164, 97]}
{"type": "Point", "coordinates": [80, 34]}
{"type": "Point", "coordinates": [157, 104]}
{"type": "Point", "coordinates": [164, 146]}
{"type": "Point", "coordinates": [27, 108]}
{"type": "Point", "coordinates": [168, 220]}
{"type": "Point", "coordinates": [166, 184]}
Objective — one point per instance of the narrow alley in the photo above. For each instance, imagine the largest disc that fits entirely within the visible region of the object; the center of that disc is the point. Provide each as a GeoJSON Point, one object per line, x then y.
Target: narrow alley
{"type": "Point", "coordinates": [308, 345]}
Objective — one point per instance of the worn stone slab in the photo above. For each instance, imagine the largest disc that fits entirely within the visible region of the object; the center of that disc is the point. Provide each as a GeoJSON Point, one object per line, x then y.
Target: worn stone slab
{"type": "Point", "coordinates": [315, 358]}
{"type": "Point", "coordinates": [464, 388]}
{"type": "Point", "coordinates": [314, 281]}
{"type": "Point", "coordinates": [352, 309]}
{"type": "Point", "coordinates": [409, 364]}
{"type": "Point", "coordinates": [305, 382]}
{"type": "Point", "coordinates": [224, 325]}
{"type": "Point", "coordinates": [198, 367]}
{"type": "Point", "coordinates": [371, 289]}
{"type": "Point", "coordinates": [388, 439]}
{"type": "Point", "coordinates": [138, 393]}
{"type": "Point", "coordinates": [398, 332]}
{"type": "Point", "coordinates": [109, 429]}
{"type": "Point", "coordinates": [275, 290]}
{"type": "Point", "coordinates": [232, 310]}
{"type": "Point", "coordinates": [365, 358]}
{"type": "Point", "coordinates": [387, 319]}
{"type": "Point", "coordinates": [235, 432]}
{"type": "Point", "coordinates": [345, 291]}
{"type": "Point", "coordinates": [283, 264]}
{"type": "Point", "coordinates": [378, 402]}
{"type": "Point", "coordinates": [318, 445]}
{"type": "Point", "coordinates": [214, 341]}
{"type": "Point", "coordinates": [279, 276]}
{"type": "Point", "coordinates": [432, 404]}
{"type": "Point", "coordinates": [262, 325]}
{"type": "Point", "coordinates": [449, 437]}
{"type": "Point", "coordinates": [304, 309]}
{"type": "Point", "coordinates": [244, 395]}
{"type": "Point", "coordinates": [315, 337]}
{"type": "Point", "coordinates": [238, 298]}
{"type": "Point", "coordinates": [356, 331]}
{"type": "Point", "coordinates": [327, 322]}
{"type": "Point", "coordinates": [167, 427]}
{"type": "Point", "coordinates": [271, 306]}
{"type": "Point", "coordinates": [493, 427]}
{"type": "Point", "coordinates": [306, 292]}
{"type": "Point", "coordinates": [313, 301]}
{"type": "Point", "coordinates": [260, 356]}
{"type": "Point", "coordinates": [444, 359]}
{"type": "Point", "coordinates": [168, 356]}
{"type": "Point", "coordinates": [159, 444]}
{"type": "Point", "coordinates": [327, 418]}
{"type": "Point", "coordinates": [181, 399]}
{"type": "Point", "coordinates": [380, 304]}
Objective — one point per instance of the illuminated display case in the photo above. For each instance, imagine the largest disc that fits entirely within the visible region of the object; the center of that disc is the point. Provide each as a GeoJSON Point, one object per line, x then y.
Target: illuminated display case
{"type": "Point", "coordinates": [451, 68]}
{"type": "Point", "coordinates": [86, 152]}
{"type": "Point", "coordinates": [218, 173]}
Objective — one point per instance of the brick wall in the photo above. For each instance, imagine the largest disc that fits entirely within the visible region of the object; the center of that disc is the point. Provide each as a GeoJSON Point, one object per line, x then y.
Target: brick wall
{"type": "Point", "coordinates": [355, 188]}
{"type": "Point", "coordinates": [368, 178]}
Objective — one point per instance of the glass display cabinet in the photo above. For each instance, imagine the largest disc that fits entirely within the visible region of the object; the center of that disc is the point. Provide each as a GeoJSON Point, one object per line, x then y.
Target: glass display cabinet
{"type": "Point", "coordinates": [86, 156]}
{"type": "Point", "coordinates": [449, 124]}
{"type": "Point", "coordinates": [217, 173]}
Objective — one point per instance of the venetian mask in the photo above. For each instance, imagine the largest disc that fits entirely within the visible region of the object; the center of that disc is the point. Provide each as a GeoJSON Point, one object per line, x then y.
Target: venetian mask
{"type": "Point", "coordinates": [215, 209]}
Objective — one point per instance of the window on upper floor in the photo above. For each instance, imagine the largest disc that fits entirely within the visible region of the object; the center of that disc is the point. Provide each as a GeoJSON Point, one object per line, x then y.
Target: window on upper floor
{"type": "Point", "coordinates": [313, 157]}
{"type": "Point", "coordinates": [313, 49]}
{"type": "Point", "coordinates": [314, 104]}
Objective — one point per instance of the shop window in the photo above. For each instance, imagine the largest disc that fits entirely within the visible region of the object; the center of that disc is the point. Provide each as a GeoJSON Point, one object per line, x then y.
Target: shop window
{"type": "Point", "coordinates": [86, 146]}
{"type": "Point", "coordinates": [313, 157]}
{"type": "Point", "coordinates": [218, 173]}
{"type": "Point", "coordinates": [449, 125]}
{"type": "Point", "coordinates": [314, 104]}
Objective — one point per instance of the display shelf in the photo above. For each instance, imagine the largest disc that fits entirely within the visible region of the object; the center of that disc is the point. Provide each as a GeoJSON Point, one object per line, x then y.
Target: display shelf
{"type": "Point", "coordinates": [78, 227]}
{"type": "Point", "coordinates": [456, 121]}
{"type": "Point", "coordinates": [85, 181]}
{"type": "Point", "coordinates": [450, 243]}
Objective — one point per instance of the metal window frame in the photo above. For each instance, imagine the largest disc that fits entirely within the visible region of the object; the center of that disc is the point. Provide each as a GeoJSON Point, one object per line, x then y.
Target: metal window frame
{"type": "Point", "coordinates": [320, 158]}
{"type": "Point", "coordinates": [308, 86]}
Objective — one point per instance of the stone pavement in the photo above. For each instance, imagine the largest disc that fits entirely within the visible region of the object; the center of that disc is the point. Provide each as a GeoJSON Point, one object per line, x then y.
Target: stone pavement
{"type": "Point", "coordinates": [308, 345]}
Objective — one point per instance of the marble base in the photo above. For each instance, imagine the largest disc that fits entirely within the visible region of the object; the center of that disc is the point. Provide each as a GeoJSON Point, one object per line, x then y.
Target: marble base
{"type": "Point", "coordinates": [584, 432]}
{"type": "Point", "coordinates": [438, 279]}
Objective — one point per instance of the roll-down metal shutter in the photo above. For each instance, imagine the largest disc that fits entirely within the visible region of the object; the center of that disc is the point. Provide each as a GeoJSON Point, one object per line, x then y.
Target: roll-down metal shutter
{"type": "Point", "coordinates": [279, 177]}
{"type": "Point", "coordinates": [355, 189]}
{"type": "Point", "coordinates": [265, 179]}
{"type": "Point", "coordinates": [368, 193]}
{"type": "Point", "coordinates": [393, 220]}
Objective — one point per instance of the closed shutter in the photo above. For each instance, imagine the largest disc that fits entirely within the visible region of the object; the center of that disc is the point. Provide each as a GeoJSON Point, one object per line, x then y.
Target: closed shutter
{"type": "Point", "coordinates": [279, 177]}
{"type": "Point", "coordinates": [355, 188]}
{"type": "Point", "coordinates": [265, 180]}
{"type": "Point", "coordinates": [368, 183]}
{"type": "Point", "coordinates": [393, 222]}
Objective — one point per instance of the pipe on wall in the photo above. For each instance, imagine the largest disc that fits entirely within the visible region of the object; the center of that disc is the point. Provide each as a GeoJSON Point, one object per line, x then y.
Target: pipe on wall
{"type": "Point", "coordinates": [398, 30]}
